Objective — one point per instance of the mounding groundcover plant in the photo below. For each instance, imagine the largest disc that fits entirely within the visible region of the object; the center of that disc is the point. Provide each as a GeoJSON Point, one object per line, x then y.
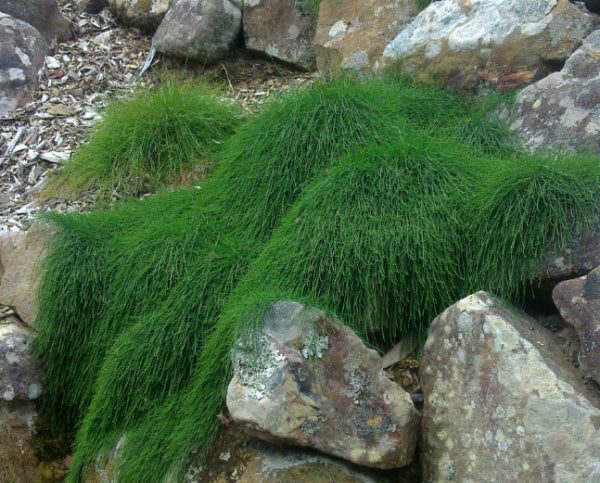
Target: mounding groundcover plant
{"type": "Point", "coordinates": [157, 137]}
{"type": "Point", "coordinates": [376, 200]}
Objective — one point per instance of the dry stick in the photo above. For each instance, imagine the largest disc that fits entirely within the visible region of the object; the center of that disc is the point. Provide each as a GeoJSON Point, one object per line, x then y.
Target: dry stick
{"type": "Point", "coordinates": [227, 75]}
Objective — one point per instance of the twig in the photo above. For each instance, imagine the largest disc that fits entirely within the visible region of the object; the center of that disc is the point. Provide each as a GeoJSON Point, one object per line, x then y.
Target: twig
{"type": "Point", "coordinates": [227, 75]}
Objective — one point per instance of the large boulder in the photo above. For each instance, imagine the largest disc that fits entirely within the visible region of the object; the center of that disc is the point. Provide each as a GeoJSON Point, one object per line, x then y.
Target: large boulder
{"type": "Point", "coordinates": [505, 43]}
{"type": "Point", "coordinates": [578, 301]}
{"type": "Point", "coordinates": [314, 384]}
{"type": "Point", "coordinates": [202, 30]}
{"type": "Point", "coordinates": [561, 110]}
{"type": "Point", "coordinates": [43, 15]}
{"type": "Point", "coordinates": [353, 34]}
{"type": "Point", "coordinates": [20, 254]}
{"type": "Point", "coordinates": [143, 14]}
{"type": "Point", "coordinates": [282, 29]}
{"type": "Point", "coordinates": [501, 401]}
{"type": "Point", "coordinates": [22, 53]}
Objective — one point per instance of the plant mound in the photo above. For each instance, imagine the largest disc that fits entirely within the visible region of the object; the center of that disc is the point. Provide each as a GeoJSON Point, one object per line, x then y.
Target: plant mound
{"type": "Point", "coordinates": [159, 137]}
{"type": "Point", "coordinates": [376, 200]}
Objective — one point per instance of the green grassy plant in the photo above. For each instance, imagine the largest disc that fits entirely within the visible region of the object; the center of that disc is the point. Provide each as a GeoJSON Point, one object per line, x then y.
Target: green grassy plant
{"type": "Point", "coordinates": [522, 208]}
{"type": "Point", "coordinates": [155, 138]}
{"type": "Point", "coordinates": [362, 198]}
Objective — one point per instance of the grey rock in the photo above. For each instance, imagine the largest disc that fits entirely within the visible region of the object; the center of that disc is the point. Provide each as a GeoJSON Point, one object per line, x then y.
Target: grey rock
{"type": "Point", "coordinates": [19, 375]}
{"type": "Point", "coordinates": [309, 381]}
{"type": "Point", "coordinates": [562, 111]}
{"type": "Point", "coordinates": [143, 14]}
{"type": "Point", "coordinates": [22, 52]}
{"type": "Point", "coordinates": [43, 15]}
{"type": "Point", "coordinates": [578, 301]}
{"type": "Point", "coordinates": [202, 30]}
{"type": "Point", "coordinates": [505, 43]}
{"type": "Point", "coordinates": [282, 29]}
{"type": "Point", "coordinates": [501, 401]}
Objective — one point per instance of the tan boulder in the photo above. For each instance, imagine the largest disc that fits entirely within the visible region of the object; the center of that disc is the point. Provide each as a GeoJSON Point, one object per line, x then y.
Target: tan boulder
{"type": "Point", "coordinates": [20, 254]}
{"type": "Point", "coordinates": [282, 29]}
{"type": "Point", "coordinates": [503, 401]}
{"type": "Point", "coordinates": [353, 34]}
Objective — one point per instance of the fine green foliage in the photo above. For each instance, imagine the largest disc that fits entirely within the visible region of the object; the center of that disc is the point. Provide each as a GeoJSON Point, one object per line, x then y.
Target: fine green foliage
{"type": "Point", "coordinates": [375, 200]}
{"type": "Point", "coordinates": [523, 208]}
{"type": "Point", "coordinates": [157, 137]}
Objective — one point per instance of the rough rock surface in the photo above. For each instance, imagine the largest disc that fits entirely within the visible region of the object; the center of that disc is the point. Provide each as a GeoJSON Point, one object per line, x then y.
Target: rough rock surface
{"type": "Point", "coordinates": [143, 14]}
{"type": "Point", "coordinates": [314, 384]}
{"type": "Point", "coordinates": [282, 29]}
{"type": "Point", "coordinates": [578, 301]}
{"type": "Point", "coordinates": [22, 52]}
{"type": "Point", "coordinates": [18, 462]}
{"type": "Point", "coordinates": [500, 402]}
{"type": "Point", "coordinates": [43, 15]}
{"type": "Point", "coordinates": [353, 34]}
{"type": "Point", "coordinates": [19, 376]}
{"type": "Point", "coordinates": [202, 30]}
{"type": "Point", "coordinates": [506, 43]}
{"type": "Point", "coordinates": [20, 253]}
{"type": "Point", "coordinates": [563, 109]}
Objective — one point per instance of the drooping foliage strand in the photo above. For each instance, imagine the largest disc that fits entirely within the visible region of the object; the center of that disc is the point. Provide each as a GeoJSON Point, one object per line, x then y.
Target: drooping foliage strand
{"type": "Point", "coordinates": [361, 197]}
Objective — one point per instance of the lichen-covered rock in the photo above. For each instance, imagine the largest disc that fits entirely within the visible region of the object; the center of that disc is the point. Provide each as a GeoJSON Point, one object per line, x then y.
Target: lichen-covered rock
{"type": "Point", "coordinates": [19, 375]}
{"type": "Point", "coordinates": [353, 34]}
{"type": "Point", "coordinates": [22, 53]}
{"type": "Point", "coordinates": [143, 14]}
{"type": "Point", "coordinates": [20, 254]}
{"type": "Point", "coordinates": [563, 109]}
{"type": "Point", "coordinates": [282, 29]}
{"type": "Point", "coordinates": [506, 43]}
{"type": "Point", "coordinates": [18, 462]}
{"type": "Point", "coordinates": [314, 384]}
{"type": "Point", "coordinates": [578, 301]}
{"type": "Point", "coordinates": [500, 401]}
{"type": "Point", "coordinates": [43, 15]}
{"type": "Point", "coordinates": [202, 30]}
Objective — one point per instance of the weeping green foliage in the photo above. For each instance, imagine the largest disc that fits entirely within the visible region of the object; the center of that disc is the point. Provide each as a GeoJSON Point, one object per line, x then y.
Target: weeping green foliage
{"type": "Point", "coordinates": [522, 208]}
{"type": "Point", "coordinates": [167, 273]}
{"type": "Point", "coordinates": [156, 138]}
{"type": "Point", "coordinates": [361, 198]}
{"type": "Point", "coordinates": [378, 240]}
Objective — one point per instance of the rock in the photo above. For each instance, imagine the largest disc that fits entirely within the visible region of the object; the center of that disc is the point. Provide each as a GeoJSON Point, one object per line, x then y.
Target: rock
{"type": "Point", "coordinates": [43, 15]}
{"type": "Point", "coordinates": [353, 34]}
{"type": "Point", "coordinates": [143, 14]}
{"type": "Point", "coordinates": [19, 376]}
{"type": "Point", "coordinates": [314, 384]}
{"type": "Point", "coordinates": [578, 301]}
{"type": "Point", "coordinates": [22, 52]}
{"type": "Point", "coordinates": [18, 462]}
{"type": "Point", "coordinates": [282, 29]}
{"type": "Point", "coordinates": [202, 30]}
{"type": "Point", "coordinates": [20, 253]}
{"type": "Point", "coordinates": [505, 43]}
{"type": "Point", "coordinates": [561, 110]}
{"type": "Point", "coordinates": [500, 400]}
{"type": "Point", "coordinates": [576, 260]}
